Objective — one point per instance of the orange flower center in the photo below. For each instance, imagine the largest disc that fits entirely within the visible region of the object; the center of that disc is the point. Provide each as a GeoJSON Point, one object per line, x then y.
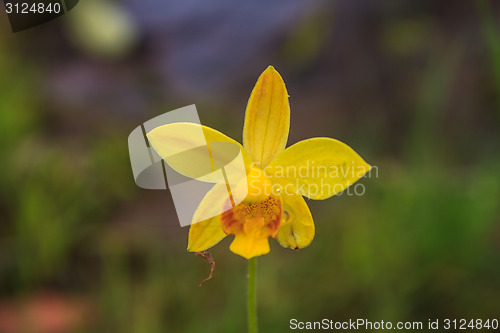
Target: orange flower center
{"type": "Point", "coordinates": [253, 222]}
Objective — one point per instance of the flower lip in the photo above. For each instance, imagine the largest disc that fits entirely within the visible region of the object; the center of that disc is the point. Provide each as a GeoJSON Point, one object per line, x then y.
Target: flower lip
{"type": "Point", "coordinates": [252, 224]}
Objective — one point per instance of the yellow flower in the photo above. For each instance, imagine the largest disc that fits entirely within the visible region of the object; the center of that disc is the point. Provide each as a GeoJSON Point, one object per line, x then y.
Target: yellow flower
{"type": "Point", "coordinates": [277, 178]}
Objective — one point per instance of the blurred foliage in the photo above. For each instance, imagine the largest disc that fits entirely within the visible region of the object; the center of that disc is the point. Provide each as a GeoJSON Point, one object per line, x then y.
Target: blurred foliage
{"type": "Point", "coordinates": [422, 242]}
{"type": "Point", "coordinates": [492, 39]}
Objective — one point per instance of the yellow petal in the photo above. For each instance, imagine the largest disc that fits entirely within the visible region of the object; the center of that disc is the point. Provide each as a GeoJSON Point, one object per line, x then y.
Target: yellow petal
{"type": "Point", "coordinates": [205, 234]}
{"type": "Point", "coordinates": [297, 226]}
{"type": "Point", "coordinates": [267, 118]}
{"type": "Point", "coordinates": [188, 149]}
{"type": "Point", "coordinates": [249, 246]}
{"type": "Point", "coordinates": [317, 168]}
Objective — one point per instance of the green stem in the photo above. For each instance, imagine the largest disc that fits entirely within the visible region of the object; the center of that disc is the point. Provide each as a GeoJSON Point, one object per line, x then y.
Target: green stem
{"type": "Point", "coordinates": [252, 296]}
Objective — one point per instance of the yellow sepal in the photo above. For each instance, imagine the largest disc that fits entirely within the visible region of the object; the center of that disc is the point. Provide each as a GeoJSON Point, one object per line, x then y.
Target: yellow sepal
{"type": "Point", "coordinates": [267, 118]}
{"type": "Point", "coordinates": [205, 234]}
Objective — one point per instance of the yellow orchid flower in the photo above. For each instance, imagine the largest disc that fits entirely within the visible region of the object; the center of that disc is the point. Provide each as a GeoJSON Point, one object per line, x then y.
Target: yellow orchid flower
{"type": "Point", "coordinates": [277, 178]}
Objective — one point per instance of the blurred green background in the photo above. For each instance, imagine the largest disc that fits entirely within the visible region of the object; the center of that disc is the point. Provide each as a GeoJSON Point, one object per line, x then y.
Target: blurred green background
{"type": "Point", "coordinates": [413, 86]}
